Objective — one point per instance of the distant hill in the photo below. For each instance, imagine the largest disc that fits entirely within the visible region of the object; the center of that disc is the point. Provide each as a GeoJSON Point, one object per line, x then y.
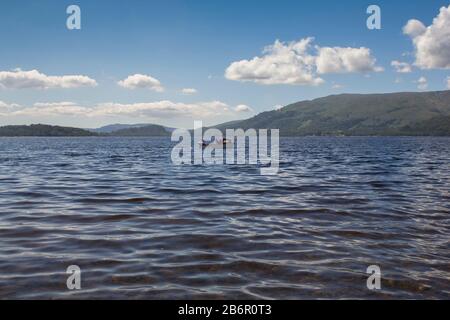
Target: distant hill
{"type": "Point", "coordinates": [123, 129]}
{"type": "Point", "coordinates": [152, 130]}
{"type": "Point", "coordinates": [118, 126]}
{"type": "Point", "coordinates": [42, 130]}
{"type": "Point", "coordinates": [408, 113]}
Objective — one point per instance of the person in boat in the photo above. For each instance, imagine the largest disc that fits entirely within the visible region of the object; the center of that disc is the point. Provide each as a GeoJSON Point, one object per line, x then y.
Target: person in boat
{"type": "Point", "coordinates": [222, 141]}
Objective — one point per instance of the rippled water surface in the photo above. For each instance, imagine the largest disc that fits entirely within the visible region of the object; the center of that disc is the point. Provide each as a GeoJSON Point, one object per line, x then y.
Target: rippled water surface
{"type": "Point", "coordinates": [140, 227]}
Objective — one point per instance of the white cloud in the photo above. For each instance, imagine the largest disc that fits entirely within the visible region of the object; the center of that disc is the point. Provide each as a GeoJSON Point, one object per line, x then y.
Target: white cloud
{"type": "Point", "coordinates": [281, 63]}
{"type": "Point", "coordinates": [155, 110]}
{"type": "Point", "coordinates": [278, 107]}
{"type": "Point", "coordinates": [163, 109]}
{"type": "Point", "coordinates": [448, 83]}
{"type": "Point", "coordinates": [141, 81]}
{"type": "Point", "coordinates": [422, 83]}
{"type": "Point", "coordinates": [401, 67]}
{"type": "Point", "coordinates": [414, 28]}
{"type": "Point", "coordinates": [52, 109]}
{"type": "Point", "coordinates": [299, 63]}
{"type": "Point", "coordinates": [337, 86]}
{"type": "Point", "coordinates": [189, 91]}
{"type": "Point", "coordinates": [19, 79]}
{"type": "Point", "coordinates": [243, 108]}
{"type": "Point", "coordinates": [346, 60]}
{"type": "Point", "coordinates": [432, 43]}
{"type": "Point", "coordinates": [8, 106]}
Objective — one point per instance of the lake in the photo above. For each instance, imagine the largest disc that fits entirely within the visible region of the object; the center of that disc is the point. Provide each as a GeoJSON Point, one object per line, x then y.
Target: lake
{"type": "Point", "coordinates": [142, 228]}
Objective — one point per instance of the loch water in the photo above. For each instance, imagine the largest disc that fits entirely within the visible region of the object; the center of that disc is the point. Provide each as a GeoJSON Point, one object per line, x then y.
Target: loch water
{"type": "Point", "coordinates": [140, 227]}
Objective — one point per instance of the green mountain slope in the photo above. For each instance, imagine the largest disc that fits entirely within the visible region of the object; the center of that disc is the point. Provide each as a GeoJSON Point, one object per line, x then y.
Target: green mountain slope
{"type": "Point", "coordinates": [415, 113]}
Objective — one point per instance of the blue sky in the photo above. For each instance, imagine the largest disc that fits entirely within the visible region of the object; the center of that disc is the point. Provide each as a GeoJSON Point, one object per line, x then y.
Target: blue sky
{"type": "Point", "coordinates": [190, 44]}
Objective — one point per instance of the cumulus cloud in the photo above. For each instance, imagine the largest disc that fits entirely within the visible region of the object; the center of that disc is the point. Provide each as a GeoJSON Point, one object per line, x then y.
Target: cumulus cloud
{"type": "Point", "coordinates": [19, 79]}
{"type": "Point", "coordinates": [414, 28]}
{"type": "Point", "coordinates": [243, 108]}
{"type": "Point", "coordinates": [432, 43]}
{"type": "Point", "coordinates": [401, 67]}
{"type": "Point", "coordinates": [281, 63]}
{"type": "Point", "coordinates": [189, 91]}
{"type": "Point", "coordinates": [141, 81]}
{"type": "Point", "coordinates": [346, 60]}
{"type": "Point", "coordinates": [300, 63]}
{"type": "Point", "coordinates": [422, 83]}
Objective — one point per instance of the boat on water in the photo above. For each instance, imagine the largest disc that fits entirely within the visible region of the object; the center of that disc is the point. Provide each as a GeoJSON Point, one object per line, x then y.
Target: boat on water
{"type": "Point", "coordinates": [204, 143]}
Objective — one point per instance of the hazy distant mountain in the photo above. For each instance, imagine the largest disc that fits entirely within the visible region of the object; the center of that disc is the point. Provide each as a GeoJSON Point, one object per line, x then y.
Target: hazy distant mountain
{"type": "Point", "coordinates": [415, 113]}
{"type": "Point", "coordinates": [42, 130]}
{"type": "Point", "coordinates": [118, 126]}
{"type": "Point", "coordinates": [126, 129]}
{"type": "Point", "coordinates": [152, 130]}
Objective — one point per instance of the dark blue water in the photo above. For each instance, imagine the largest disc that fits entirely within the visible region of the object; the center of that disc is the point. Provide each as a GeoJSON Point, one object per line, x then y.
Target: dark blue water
{"type": "Point", "coordinates": [140, 227]}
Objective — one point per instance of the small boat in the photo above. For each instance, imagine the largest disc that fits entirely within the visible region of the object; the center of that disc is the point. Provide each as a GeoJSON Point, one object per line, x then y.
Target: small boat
{"type": "Point", "coordinates": [217, 142]}
{"type": "Point", "coordinates": [226, 141]}
{"type": "Point", "coordinates": [203, 143]}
